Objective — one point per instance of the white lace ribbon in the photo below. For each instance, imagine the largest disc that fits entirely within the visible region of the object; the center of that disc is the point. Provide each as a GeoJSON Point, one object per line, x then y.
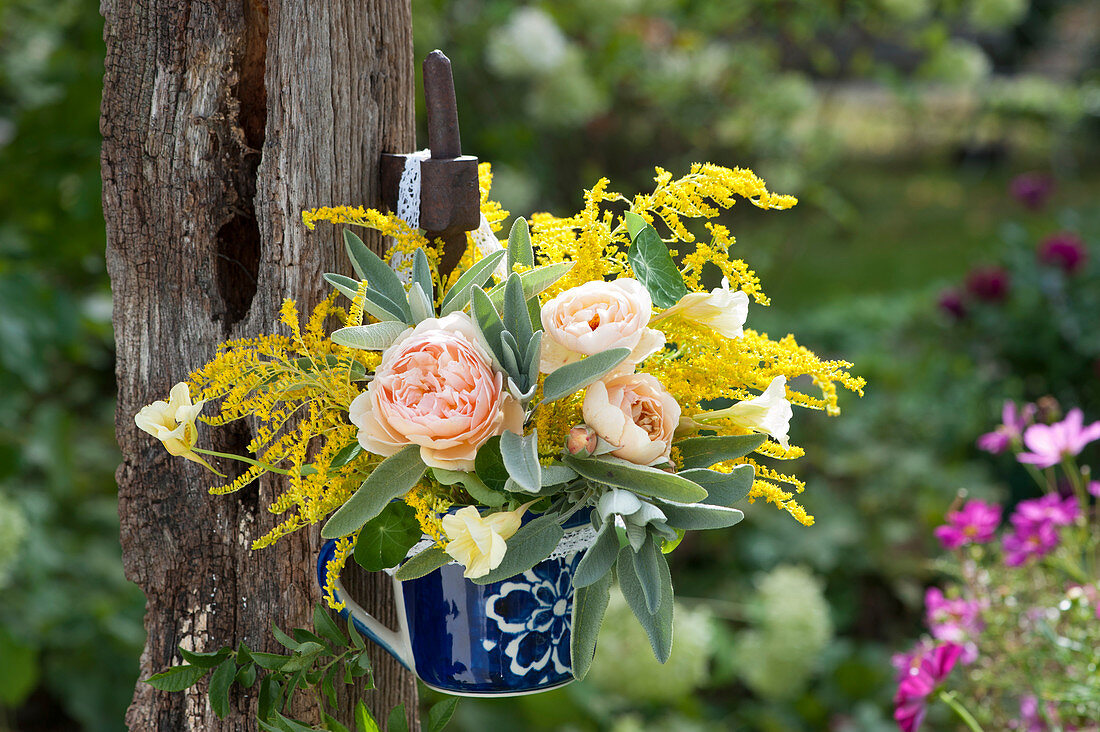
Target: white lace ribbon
{"type": "Point", "coordinates": [408, 208]}
{"type": "Point", "coordinates": [574, 540]}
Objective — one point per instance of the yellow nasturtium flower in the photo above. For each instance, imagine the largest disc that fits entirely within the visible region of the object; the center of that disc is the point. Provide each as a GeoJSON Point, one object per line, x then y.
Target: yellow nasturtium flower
{"type": "Point", "coordinates": [769, 413]}
{"type": "Point", "coordinates": [478, 542]}
{"type": "Point", "coordinates": [173, 423]}
{"type": "Point", "coordinates": [720, 309]}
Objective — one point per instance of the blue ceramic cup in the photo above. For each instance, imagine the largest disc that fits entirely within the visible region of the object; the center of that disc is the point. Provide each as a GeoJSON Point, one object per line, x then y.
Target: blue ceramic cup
{"type": "Point", "coordinates": [501, 639]}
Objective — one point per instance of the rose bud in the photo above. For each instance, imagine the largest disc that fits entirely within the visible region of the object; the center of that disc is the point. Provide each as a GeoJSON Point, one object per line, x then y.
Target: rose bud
{"type": "Point", "coordinates": [582, 441]}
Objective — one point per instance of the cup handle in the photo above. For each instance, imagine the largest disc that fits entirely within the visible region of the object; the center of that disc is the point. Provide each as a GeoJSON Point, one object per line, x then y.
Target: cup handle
{"type": "Point", "coordinates": [391, 641]}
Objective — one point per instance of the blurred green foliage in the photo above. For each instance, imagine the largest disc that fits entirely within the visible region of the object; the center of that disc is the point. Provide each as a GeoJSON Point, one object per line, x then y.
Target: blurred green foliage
{"type": "Point", "coordinates": [898, 122]}
{"type": "Point", "coordinates": [70, 624]}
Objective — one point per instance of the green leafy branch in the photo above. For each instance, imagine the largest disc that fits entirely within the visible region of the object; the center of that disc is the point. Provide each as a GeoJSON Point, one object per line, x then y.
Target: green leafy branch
{"type": "Point", "coordinates": [316, 660]}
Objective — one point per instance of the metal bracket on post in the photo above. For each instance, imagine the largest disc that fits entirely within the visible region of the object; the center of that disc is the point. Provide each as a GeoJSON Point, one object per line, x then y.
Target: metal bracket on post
{"type": "Point", "coordinates": [449, 196]}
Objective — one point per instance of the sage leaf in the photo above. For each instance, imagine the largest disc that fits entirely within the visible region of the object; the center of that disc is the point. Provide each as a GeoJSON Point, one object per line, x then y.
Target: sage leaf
{"type": "Point", "coordinates": [723, 489]}
{"type": "Point", "coordinates": [640, 479]}
{"type": "Point", "coordinates": [520, 250]}
{"type": "Point", "coordinates": [517, 320]}
{"type": "Point", "coordinates": [373, 337]}
{"type": "Point", "coordinates": [370, 267]}
{"type": "Point", "coordinates": [423, 563]}
{"type": "Point", "coordinates": [458, 297]}
{"type": "Point", "coordinates": [419, 305]}
{"type": "Point", "coordinates": [690, 516]}
{"type": "Point", "coordinates": [391, 479]}
{"type": "Point", "coordinates": [589, 606]}
{"type": "Point", "coordinates": [422, 274]}
{"type": "Point", "coordinates": [599, 558]}
{"type": "Point", "coordinates": [473, 485]}
{"type": "Point", "coordinates": [572, 377]}
{"type": "Point", "coordinates": [649, 577]}
{"type": "Point", "coordinates": [702, 452]}
{"type": "Point", "coordinates": [521, 459]}
{"type": "Point", "coordinates": [375, 303]}
{"type": "Point", "coordinates": [658, 625]}
{"type": "Point", "coordinates": [534, 281]}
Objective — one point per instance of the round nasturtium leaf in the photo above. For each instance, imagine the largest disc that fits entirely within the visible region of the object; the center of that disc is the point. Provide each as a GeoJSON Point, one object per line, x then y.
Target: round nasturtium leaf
{"type": "Point", "coordinates": [386, 539]}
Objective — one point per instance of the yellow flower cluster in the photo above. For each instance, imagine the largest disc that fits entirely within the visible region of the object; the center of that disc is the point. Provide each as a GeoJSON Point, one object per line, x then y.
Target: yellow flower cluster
{"type": "Point", "coordinates": [429, 507]}
{"type": "Point", "coordinates": [297, 389]}
{"type": "Point", "coordinates": [700, 365]}
{"type": "Point", "coordinates": [344, 548]}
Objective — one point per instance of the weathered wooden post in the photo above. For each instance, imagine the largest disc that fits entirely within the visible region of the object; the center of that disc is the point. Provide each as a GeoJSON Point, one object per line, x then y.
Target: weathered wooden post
{"type": "Point", "coordinates": [221, 122]}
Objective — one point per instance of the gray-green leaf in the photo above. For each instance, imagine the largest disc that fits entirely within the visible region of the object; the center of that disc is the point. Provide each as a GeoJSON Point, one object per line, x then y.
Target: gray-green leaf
{"type": "Point", "coordinates": [534, 281]}
{"type": "Point", "coordinates": [534, 542]}
{"type": "Point", "coordinates": [572, 377]}
{"type": "Point", "coordinates": [474, 485]}
{"type": "Point", "coordinates": [589, 606]}
{"type": "Point", "coordinates": [640, 479]}
{"type": "Point", "coordinates": [423, 563]}
{"type": "Point", "coordinates": [521, 458]}
{"type": "Point", "coordinates": [646, 561]}
{"type": "Point", "coordinates": [723, 489]}
{"type": "Point", "coordinates": [658, 625]}
{"type": "Point", "coordinates": [373, 337]}
{"type": "Point", "coordinates": [370, 267]}
{"type": "Point", "coordinates": [699, 515]}
{"type": "Point", "coordinates": [519, 245]}
{"type": "Point", "coordinates": [599, 558]}
{"type": "Point", "coordinates": [476, 276]}
{"type": "Point", "coordinates": [702, 452]}
{"type": "Point", "coordinates": [391, 479]}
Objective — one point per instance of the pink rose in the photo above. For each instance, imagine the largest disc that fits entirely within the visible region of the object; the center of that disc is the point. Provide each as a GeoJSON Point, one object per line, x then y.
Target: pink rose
{"type": "Point", "coordinates": [594, 317]}
{"type": "Point", "coordinates": [634, 413]}
{"type": "Point", "coordinates": [435, 387]}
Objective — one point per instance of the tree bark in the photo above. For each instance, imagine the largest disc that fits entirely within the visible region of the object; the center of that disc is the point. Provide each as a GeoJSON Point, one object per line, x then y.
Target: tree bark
{"type": "Point", "coordinates": [221, 122]}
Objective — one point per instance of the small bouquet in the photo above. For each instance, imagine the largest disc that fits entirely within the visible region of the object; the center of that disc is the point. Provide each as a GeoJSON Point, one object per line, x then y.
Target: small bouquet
{"type": "Point", "coordinates": [1019, 612]}
{"type": "Point", "coordinates": [586, 366]}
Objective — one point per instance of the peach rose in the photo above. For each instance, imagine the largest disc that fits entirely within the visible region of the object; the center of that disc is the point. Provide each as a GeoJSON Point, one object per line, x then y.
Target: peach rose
{"type": "Point", "coordinates": [634, 413]}
{"type": "Point", "coordinates": [435, 387]}
{"type": "Point", "coordinates": [594, 317]}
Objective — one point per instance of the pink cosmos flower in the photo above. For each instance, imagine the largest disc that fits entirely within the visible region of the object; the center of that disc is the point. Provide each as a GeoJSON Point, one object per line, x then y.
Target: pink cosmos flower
{"type": "Point", "coordinates": [1029, 541]}
{"type": "Point", "coordinates": [955, 620]}
{"type": "Point", "coordinates": [1013, 422]}
{"type": "Point", "coordinates": [923, 678]}
{"type": "Point", "coordinates": [1049, 444]}
{"type": "Point", "coordinates": [974, 524]}
{"type": "Point", "coordinates": [1094, 488]}
{"type": "Point", "coordinates": [1051, 508]}
{"type": "Point", "coordinates": [1031, 189]}
{"type": "Point", "coordinates": [989, 283]}
{"type": "Point", "coordinates": [951, 302]}
{"type": "Point", "coordinates": [1064, 250]}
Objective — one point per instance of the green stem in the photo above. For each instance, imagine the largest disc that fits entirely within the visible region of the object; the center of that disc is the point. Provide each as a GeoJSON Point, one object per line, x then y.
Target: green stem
{"type": "Point", "coordinates": [243, 459]}
{"type": "Point", "coordinates": [948, 698]}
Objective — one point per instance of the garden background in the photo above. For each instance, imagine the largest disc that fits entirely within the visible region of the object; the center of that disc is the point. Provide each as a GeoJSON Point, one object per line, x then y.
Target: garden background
{"type": "Point", "coordinates": [916, 251]}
